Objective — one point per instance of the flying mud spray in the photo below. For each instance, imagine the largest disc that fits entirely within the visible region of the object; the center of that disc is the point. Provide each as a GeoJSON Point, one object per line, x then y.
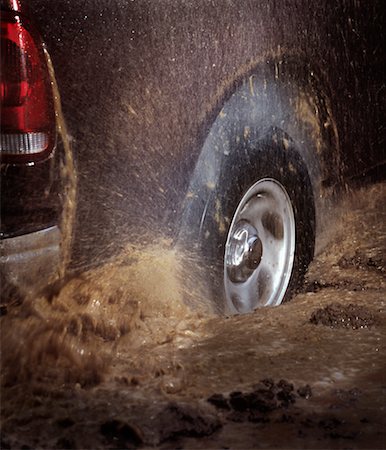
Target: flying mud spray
{"type": "Point", "coordinates": [72, 331]}
{"type": "Point", "coordinates": [127, 353]}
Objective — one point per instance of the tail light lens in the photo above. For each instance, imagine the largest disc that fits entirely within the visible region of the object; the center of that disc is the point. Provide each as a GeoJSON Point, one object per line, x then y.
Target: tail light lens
{"type": "Point", "coordinates": [27, 109]}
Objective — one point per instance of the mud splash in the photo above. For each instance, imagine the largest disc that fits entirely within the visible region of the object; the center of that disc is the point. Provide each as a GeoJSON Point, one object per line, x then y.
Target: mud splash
{"type": "Point", "coordinates": [119, 358]}
{"type": "Point", "coordinates": [137, 298]}
{"type": "Point", "coordinates": [68, 177]}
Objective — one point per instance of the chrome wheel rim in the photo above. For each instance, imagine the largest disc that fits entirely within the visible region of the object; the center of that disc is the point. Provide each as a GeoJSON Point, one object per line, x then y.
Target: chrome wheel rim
{"type": "Point", "coordinates": [260, 248]}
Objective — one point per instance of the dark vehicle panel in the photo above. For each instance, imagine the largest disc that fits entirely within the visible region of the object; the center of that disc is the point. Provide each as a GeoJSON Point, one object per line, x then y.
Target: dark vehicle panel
{"type": "Point", "coordinates": [29, 162]}
{"type": "Point", "coordinates": [31, 158]}
{"type": "Point", "coordinates": [30, 198]}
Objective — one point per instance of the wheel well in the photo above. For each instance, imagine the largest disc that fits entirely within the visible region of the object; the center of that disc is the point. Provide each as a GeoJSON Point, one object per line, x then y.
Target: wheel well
{"type": "Point", "coordinates": [299, 95]}
{"type": "Point", "coordinates": [307, 88]}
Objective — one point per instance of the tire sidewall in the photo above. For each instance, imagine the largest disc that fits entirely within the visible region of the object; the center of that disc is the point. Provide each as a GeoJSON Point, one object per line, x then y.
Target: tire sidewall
{"type": "Point", "coordinates": [257, 134]}
{"type": "Point", "coordinates": [252, 161]}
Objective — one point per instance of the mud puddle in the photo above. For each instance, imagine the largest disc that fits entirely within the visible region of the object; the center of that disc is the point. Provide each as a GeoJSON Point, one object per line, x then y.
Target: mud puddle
{"type": "Point", "coordinates": [118, 360]}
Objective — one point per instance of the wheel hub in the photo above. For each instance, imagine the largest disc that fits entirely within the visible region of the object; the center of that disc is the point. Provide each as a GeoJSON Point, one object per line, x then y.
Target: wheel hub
{"type": "Point", "coordinates": [245, 252]}
{"type": "Point", "coordinates": [260, 248]}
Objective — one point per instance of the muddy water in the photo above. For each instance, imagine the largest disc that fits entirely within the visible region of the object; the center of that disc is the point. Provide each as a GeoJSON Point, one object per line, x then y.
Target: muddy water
{"type": "Point", "coordinates": [117, 359]}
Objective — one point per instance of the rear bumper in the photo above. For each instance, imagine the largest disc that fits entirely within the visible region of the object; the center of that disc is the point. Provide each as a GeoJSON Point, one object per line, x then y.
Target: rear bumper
{"type": "Point", "coordinates": [29, 262]}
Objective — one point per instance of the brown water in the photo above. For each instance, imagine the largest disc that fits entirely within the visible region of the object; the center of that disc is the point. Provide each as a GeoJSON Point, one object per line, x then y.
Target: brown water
{"type": "Point", "coordinates": [118, 360]}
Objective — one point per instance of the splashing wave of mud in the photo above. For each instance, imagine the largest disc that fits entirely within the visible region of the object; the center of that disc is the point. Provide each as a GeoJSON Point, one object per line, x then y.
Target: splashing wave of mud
{"type": "Point", "coordinates": [129, 325]}
{"type": "Point", "coordinates": [135, 299]}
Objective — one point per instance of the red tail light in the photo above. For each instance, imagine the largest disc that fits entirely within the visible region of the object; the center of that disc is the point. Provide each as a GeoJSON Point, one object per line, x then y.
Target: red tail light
{"type": "Point", "coordinates": [27, 110]}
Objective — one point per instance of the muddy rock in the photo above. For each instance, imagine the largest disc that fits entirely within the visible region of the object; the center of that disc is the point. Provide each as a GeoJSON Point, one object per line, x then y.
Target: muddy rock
{"type": "Point", "coordinates": [264, 398]}
{"type": "Point", "coordinates": [336, 315]}
{"type": "Point", "coordinates": [178, 420]}
{"type": "Point", "coordinates": [345, 398]}
{"type": "Point", "coordinates": [219, 401]}
{"type": "Point", "coordinates": [66, 443]}
{"type": "Point", "coordinates": [121, 434]}
{"type": "Point", "coordinates": [305, 391]}
{"type": "Point", "coordinates": [317, 285]}
{"type": "Point", "coordinates": [362, 262]}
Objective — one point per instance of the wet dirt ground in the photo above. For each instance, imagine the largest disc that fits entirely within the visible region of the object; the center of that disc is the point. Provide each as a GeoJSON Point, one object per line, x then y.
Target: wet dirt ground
{"type": "Point", "coordinates": [116, 359]}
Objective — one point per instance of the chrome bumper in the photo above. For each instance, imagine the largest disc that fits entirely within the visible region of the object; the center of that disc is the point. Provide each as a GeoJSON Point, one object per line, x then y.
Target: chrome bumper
{"type": "Point", "coordinates": [29, 262]}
